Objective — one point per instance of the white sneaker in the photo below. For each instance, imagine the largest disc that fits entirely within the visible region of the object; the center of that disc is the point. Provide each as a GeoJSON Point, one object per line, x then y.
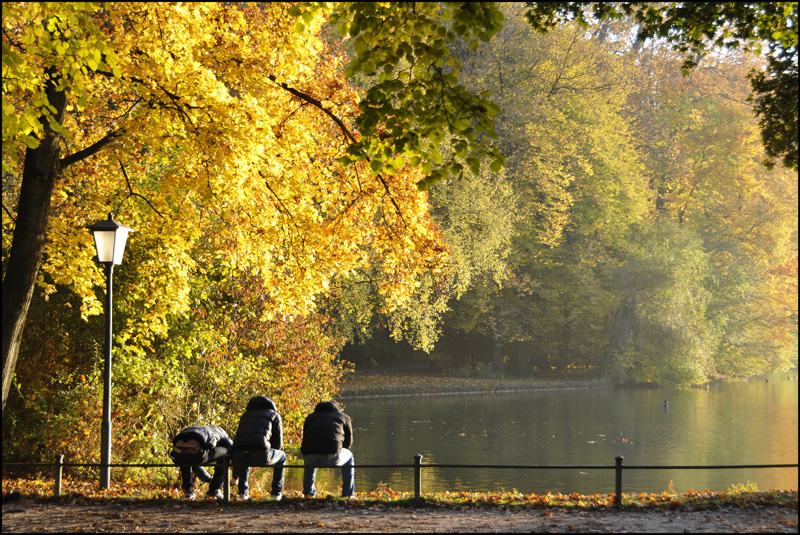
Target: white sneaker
{"type": "Point", "coordinates": [244, 497]}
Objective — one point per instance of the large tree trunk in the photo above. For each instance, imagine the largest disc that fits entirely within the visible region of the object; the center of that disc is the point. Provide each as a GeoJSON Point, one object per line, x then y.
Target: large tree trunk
{"type": "Point", "coordinates": [38, 178]}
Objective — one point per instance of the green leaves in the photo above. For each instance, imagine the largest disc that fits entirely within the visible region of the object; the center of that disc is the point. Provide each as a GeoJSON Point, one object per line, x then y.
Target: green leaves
{"type": "Point", "coordinates": [416, 100]}
{"type": "Point", "coordinates": [695, 27]}
{"type": "Point", "coordinates": [68, 43]}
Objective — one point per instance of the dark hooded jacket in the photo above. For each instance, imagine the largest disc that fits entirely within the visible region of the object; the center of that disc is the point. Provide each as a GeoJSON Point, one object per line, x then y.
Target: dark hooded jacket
{"type": "Point", "coordinates": [326, 430]}
{"type": "Point", "coordinates": [213, 440]}
{"type": "Point", "coordinates": [209, 436]}
{"type": "Point", "coordinates": [260, 427]}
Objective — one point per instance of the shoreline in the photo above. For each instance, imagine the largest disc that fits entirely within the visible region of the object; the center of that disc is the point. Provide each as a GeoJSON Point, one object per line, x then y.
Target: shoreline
{"type": "Point", "coordinates": [376, 385]}
{"type": "Point", "coordinates": [380, 386]}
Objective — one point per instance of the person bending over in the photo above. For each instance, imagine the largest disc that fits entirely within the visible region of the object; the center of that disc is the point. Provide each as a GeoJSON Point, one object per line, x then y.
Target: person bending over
{"type": "Point", "coordinates": [196, 446]}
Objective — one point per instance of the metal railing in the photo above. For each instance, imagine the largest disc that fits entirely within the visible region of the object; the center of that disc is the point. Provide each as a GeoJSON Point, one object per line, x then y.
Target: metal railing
{"type": "Point", "coordinates": [417, 466]}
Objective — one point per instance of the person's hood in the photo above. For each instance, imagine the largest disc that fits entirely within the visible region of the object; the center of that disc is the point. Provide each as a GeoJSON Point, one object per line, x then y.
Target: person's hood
{"type": "Point", "coordinates": [261, 402]}
{"type": "Point", "coordinates": [327, 406]}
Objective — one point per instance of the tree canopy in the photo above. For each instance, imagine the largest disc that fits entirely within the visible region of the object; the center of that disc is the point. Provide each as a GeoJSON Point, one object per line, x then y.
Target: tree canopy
{"type": "Point", "coordinates": [507, 200]}
{"type": "Point", "coordinates": [696, 28]}
{"type": "Point", "coordinates": [635, 190]}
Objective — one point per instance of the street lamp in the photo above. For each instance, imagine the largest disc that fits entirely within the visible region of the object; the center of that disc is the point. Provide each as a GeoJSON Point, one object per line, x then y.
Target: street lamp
{"type": "Point", "coordinates": [109, 240]}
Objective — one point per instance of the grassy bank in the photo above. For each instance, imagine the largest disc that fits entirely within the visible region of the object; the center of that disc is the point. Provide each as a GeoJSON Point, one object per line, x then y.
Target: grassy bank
{"type": "Point", "coordinates": [373, 384]}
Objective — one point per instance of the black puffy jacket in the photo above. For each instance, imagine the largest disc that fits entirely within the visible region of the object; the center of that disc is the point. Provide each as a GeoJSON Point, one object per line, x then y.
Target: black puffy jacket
{"type": "Point", "coordinates": [209, 436]}
{"type": "Point", "coordinates": [260, 426]}
{"type": "Point", "coordinates": [326, 430]}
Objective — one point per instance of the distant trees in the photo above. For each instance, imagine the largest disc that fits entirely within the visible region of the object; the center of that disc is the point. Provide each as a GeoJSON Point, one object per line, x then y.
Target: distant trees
{"type": "Point", "coordinates": [700, 29]}
{"type": "Point", "coordinates": [648, 243]}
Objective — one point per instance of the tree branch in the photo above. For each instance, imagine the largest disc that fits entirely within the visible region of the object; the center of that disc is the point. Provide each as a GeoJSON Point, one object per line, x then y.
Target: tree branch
{"type": "Point", "coordinates": [318, 104]}
{"type": "Point", "coordinates": [280, 201]}
{"type": "Point", "coordinates": [133, 193]}
{"type": "Point", "coordinates": [92, 149]}
{"type": "Point", "coordinates": [341, 125]}
{"type": "Point", "coordinates": [9, 213]}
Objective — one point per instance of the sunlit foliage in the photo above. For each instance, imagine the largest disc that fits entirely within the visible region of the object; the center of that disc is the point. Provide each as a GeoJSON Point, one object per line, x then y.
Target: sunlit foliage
{"type": "Point", "coordinates": [215, 131]}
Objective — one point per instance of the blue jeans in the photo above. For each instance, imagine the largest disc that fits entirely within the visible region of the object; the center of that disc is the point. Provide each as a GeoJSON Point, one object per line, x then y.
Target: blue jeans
{"type": "Point", "coordinates": [205, 457]}
{"type": "Point", "coordinates": [344, 458]}
{"type": "Point", "coordinates": [243, 460]}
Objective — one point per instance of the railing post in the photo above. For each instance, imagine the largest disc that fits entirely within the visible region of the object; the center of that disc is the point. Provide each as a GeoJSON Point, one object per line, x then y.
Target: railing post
{"type": "Point", "coordinates": [618, 481]}
{"type": "Point", "coordinates": [59, 471]}
{"type": "Point", "coordinates": [227, 482]}
{"type": "Point", "coordinates": [417, 475]}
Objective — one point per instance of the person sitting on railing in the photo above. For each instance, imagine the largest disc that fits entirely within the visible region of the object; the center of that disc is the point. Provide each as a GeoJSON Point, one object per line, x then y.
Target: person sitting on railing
{"type": "Point", "coordinates": [258, 442]}
{"type": "Point", "coordinates": [196, 446]}
{"type": "Point", "coordinates": [327, 435]}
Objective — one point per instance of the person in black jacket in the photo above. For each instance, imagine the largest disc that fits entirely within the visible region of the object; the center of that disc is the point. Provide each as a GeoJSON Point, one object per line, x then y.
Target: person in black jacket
{"type": "Point", "coordinates": [327, 435]}
{"type": "Point", "coordinates": [258, 442]}
{"type": "Point", "coordinates": [196, 446]}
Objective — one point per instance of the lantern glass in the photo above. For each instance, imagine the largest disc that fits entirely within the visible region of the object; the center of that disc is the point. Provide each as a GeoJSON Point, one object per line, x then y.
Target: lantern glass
{"type": "Point", "coordinates": [109, 240]}
{"type": "Point", "coordinates": [120, 237]}
{"type": "Point", "coordinates": [104, 242]}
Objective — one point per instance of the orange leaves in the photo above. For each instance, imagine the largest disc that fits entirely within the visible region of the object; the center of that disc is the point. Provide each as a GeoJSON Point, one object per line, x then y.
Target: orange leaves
{"type": "Point", "coordinates": [239, 355]}
{"type": "Point", "coordinates": [154, 488]}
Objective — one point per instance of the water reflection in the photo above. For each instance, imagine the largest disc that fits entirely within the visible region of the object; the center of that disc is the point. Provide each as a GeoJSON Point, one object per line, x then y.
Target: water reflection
{"type": "Point", "coordinates": [749, 422]}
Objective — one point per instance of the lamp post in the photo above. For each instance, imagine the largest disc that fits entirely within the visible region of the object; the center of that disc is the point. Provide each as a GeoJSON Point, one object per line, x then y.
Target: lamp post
{"type": "Point", "coordinates": [109, 240]}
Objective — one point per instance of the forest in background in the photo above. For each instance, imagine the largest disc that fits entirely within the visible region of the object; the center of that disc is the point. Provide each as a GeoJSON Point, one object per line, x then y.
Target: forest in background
{"type": "Point", "coordinates": [634, 232]}
{"type": "Point", "coordinates": [592, 207]}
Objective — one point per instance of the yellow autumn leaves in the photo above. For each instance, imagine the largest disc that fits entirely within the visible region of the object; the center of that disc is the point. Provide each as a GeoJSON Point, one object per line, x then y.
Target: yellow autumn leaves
{"type": "Point", "coordinates": [221, 163]}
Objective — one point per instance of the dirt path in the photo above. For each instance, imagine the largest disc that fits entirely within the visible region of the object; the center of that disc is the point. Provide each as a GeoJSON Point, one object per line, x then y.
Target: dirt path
{"type": "Point", "coordinates": [306, 516]}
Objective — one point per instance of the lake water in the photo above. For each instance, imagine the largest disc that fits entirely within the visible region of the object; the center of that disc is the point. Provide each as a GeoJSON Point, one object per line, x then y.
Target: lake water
{"type": "Point", "coordinates": [748, 422]}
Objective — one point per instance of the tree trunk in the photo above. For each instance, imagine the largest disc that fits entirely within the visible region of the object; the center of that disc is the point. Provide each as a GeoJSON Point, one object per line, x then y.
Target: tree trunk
{"type": "Point", "coordinates": [563, 346]}
{"type": "Point", "coordinates": [622, 331]}
{"type": "Point", "coordinates": [521, 352]}
{"type": "Point", "coordinates": [38, 179]}
{"type": "Point", "coordinates": [498, 367]}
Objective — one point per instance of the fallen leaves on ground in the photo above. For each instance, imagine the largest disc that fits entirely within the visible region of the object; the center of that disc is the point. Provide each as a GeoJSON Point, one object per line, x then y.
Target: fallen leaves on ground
{"type": "Point", "coordinates": [84, 491]}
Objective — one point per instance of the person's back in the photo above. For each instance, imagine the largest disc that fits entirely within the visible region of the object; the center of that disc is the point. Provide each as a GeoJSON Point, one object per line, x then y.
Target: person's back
{"type": "Point", "coordinates": [258, 442]}
{"type": "Point", "coordinates": [327, 437]}
{"type": "Point", "coordinates": [259, 427]}
{"type": "Point", "coordinates": [326, 430]}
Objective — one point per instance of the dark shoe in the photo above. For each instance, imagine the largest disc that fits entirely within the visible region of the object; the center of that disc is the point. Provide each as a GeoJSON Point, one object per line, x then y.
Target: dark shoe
{"type": "Point", "coordinates": [215, 494]}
